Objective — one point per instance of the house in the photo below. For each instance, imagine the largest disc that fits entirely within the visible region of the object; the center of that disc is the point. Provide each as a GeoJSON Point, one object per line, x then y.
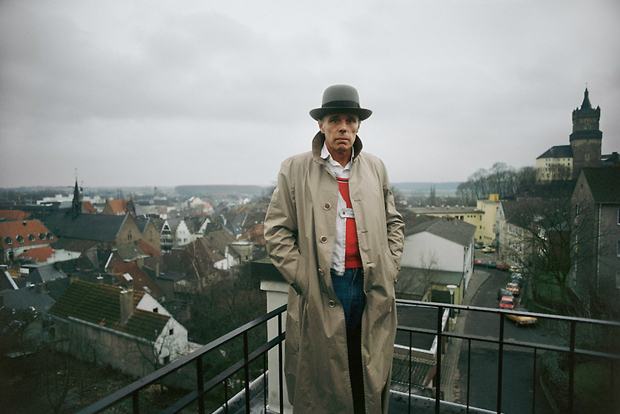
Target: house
{"type": "Point", "coordinates": [221, 241]}
{"type": "Point", "coordinates": [18, 236]}
{"type": "Point", "coordinates": [514, 240]}
{"type": "Point", "coordinates": [80, 232]}
{"type": "Point", "coordinates": [178, 232]}
{"type": "Point", "coordinates": [432, 248]}
{"type": "Point", "coordinates": [125, 329]}
{"type": "Point", "coordinates": [596, 205]}
{"type": "Point", "coordinates": [483, 217]}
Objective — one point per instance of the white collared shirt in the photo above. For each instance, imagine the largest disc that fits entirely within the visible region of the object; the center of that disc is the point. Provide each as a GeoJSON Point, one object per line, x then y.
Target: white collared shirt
{"type": "Point", "coordinates": [339, 242]}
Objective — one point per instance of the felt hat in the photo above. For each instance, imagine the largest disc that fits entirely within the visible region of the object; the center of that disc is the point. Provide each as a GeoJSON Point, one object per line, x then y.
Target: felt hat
{"type": "Point", "coordinates": [338, 99]}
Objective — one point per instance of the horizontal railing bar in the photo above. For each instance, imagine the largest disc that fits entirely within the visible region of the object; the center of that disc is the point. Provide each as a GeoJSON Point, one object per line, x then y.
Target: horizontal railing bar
{"type": "Point", "coordinates": [511, 342]}
{"type": "Point", "coordinates": [560, 318]}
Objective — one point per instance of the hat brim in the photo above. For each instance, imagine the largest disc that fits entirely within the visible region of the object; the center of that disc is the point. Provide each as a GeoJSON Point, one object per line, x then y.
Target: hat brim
{"type": "Point", "coordinates": [319, 113]}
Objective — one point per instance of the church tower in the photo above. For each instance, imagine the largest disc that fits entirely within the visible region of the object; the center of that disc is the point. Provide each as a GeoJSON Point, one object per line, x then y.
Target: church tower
{"type": "Point", "coordinates": [586, 139]}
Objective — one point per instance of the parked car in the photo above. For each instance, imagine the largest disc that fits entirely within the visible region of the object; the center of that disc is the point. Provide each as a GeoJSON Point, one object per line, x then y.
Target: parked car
{"type": "Point", "coordinates": [490, 265]}
{"type": "Point", "coordinates": [503, 292]}
{"type": "Point", "coordinates": [488, 250]}
{"type": "Point", "coordinates": [478, 245]}
{"type": "Point", "coordinates": [515, 269]}
{"type": "Point", "coordinates": [515, 280]}
{"type": "Point", "coordinates": [478, 262]}
{"type": "Point", "coordinates": [520, 320]}
{"type": "Point", "coordinates": [507, 302]}
{"type": "Point", "coordinates": [503, 266]}
{"type": "Point", "coordinates": [514, 288]}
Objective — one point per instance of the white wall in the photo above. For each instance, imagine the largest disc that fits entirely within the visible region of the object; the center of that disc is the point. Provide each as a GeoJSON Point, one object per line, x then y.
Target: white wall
{"type": "Point", "coordinates": [428, 251]}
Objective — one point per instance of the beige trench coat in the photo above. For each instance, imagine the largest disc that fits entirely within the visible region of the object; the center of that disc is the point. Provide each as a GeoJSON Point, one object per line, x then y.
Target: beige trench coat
{"type": "Point", "coordinates": [299, 230]}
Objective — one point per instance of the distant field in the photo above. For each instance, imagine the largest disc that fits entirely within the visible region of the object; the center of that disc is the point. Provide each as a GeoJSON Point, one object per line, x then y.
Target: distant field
{"type": "Point", "coordinates": [443, 189]}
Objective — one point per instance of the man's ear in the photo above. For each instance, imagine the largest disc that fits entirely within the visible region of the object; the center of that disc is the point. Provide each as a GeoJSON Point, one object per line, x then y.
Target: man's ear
{"type": "Point", "coordinates": [320, 121]}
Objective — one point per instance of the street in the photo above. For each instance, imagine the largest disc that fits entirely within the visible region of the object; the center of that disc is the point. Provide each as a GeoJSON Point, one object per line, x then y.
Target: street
{"type": "Point", "coordinates": [518, 365]}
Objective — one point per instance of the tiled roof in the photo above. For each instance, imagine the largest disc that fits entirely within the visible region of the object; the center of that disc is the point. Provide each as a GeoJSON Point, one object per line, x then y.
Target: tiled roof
{"type": "Point", "coordinates": [559, 151]}
{"type": "Point", "coordinates": [98, 227]}
{"type": "Point", "coordinates": [141, 281]}
{"type": "Point", "coordinates": [13, 215]}
{"type": "Point", "coordinates": [39, 254]}
{"type": "Point", "coordinates": [100, 304]}
{"type": "Point", "coordinates": [24, 233]}
{"type": "Point", "coordinates": [256, 234]}
{"type": "Point", "coordinates": [604, 184]}
{"type": "Point", "coordinates": [45, 274]}
{"type": "Point", "coordinates": [457, 231]}
{"type": "Point", "coordinates": [118, 206]}
{"type": "Point", "coordinates": [88, 207]}
{"type": "Point", "coordinates": [220, 239]}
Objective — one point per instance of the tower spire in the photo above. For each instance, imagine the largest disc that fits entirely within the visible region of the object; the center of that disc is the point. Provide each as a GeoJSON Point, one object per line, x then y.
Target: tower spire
{"type": "Point", "coordinates": [76, 205]}
{"type": "Point", "coordinates": [586, 100]}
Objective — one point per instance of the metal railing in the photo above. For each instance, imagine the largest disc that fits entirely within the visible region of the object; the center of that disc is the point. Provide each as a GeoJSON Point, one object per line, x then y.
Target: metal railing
{"type": "Point", "coordinates": [241, 368]}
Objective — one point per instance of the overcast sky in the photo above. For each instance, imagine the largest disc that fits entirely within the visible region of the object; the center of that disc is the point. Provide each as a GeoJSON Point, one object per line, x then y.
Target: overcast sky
{"type": "Point", "coordinates": [164, 93]}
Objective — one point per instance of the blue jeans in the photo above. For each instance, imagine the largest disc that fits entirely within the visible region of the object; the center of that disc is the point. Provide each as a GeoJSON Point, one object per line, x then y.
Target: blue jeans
{"type": "Point", "coordinates": [350, 291]}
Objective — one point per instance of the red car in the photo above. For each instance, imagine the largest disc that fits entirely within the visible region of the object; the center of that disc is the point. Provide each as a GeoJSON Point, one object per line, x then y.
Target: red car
{"type": "Point", "coordinates": [507, 302]}
{"type": "Point", "coordinates": [503, 267]}
{"type": "Point", "coordinates": [478, 262]}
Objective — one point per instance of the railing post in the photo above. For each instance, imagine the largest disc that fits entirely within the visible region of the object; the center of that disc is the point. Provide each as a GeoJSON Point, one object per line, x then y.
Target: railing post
{"type": "Point", "coordinates": [534, 382]}
{"type": "Point", "coordinates": [439, 351]}
{"type": "Point", "coordinates": [246, 370]}
{"type": "Point", "coordinates": [571, 367]}
{"type": "Point", "coordinates": [410, 370]}
{"type": "Point", "coordinates": [135, 397]}
{"type": "Point", "coordinates": [280, 366]}
{"type": "Point", "coordinates": [500, 362]}
{"type": "Point", "coordinates": [200, 382]}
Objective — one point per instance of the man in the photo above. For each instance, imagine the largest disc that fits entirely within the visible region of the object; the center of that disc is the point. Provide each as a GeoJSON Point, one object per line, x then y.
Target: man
{"type": "Point", "coordinates": [333, 232]}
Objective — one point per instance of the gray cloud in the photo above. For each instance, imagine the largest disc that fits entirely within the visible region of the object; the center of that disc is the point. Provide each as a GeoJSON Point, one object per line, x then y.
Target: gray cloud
{"type": "Point", "coordinates": [150, 93]}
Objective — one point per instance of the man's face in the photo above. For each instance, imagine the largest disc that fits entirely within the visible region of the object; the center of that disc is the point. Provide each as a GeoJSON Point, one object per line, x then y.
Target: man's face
{"type": "Point", "coordinates": [340, 131]}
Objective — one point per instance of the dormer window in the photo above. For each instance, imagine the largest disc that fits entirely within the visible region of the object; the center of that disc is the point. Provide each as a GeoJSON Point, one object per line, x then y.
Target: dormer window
{"type": "Point", "coordinates": [50, 236]}
{"type": "Point", "coordinates": [31, 238]}
{"type": "Point", "coordinates": [8, 240]}
{"type": "Point", "coordinates": [20, 239]}
{"type": "Point", "coordinates": [41, 236]}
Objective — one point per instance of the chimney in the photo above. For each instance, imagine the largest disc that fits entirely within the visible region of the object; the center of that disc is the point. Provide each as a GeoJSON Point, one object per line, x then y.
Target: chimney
{"type": "Point", "coordinates": [126, 300]}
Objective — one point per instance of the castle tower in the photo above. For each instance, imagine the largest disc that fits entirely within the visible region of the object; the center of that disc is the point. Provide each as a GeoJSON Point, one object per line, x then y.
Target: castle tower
{"type": "Point", "coordinates": [586, 139]}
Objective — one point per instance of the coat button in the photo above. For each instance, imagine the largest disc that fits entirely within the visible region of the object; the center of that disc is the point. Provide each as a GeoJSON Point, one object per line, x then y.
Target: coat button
{"type": "Point", "coordinates": [323, 239]}
{"type": "Point", "coordinates": [327, 206]}
{"type": "Point", "coordinates": [332, 303]}
{"type": "Point", "coordinates": [321, 272]}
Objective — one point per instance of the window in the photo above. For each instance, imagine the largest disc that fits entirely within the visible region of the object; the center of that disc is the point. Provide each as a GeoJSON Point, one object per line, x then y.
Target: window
{"type": "Point", "coordinates": [8, 240]}
{"type": "Point", "coordinates": [619, 217]}
{"type": "Point", "coordinates": [171, 331]}
{"type": "Point", "coordinates": [20, 239]}
{"type": "Point", "coordinates": [31, 238]}
{"type": "Point", "coordinates": [155, 310]}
